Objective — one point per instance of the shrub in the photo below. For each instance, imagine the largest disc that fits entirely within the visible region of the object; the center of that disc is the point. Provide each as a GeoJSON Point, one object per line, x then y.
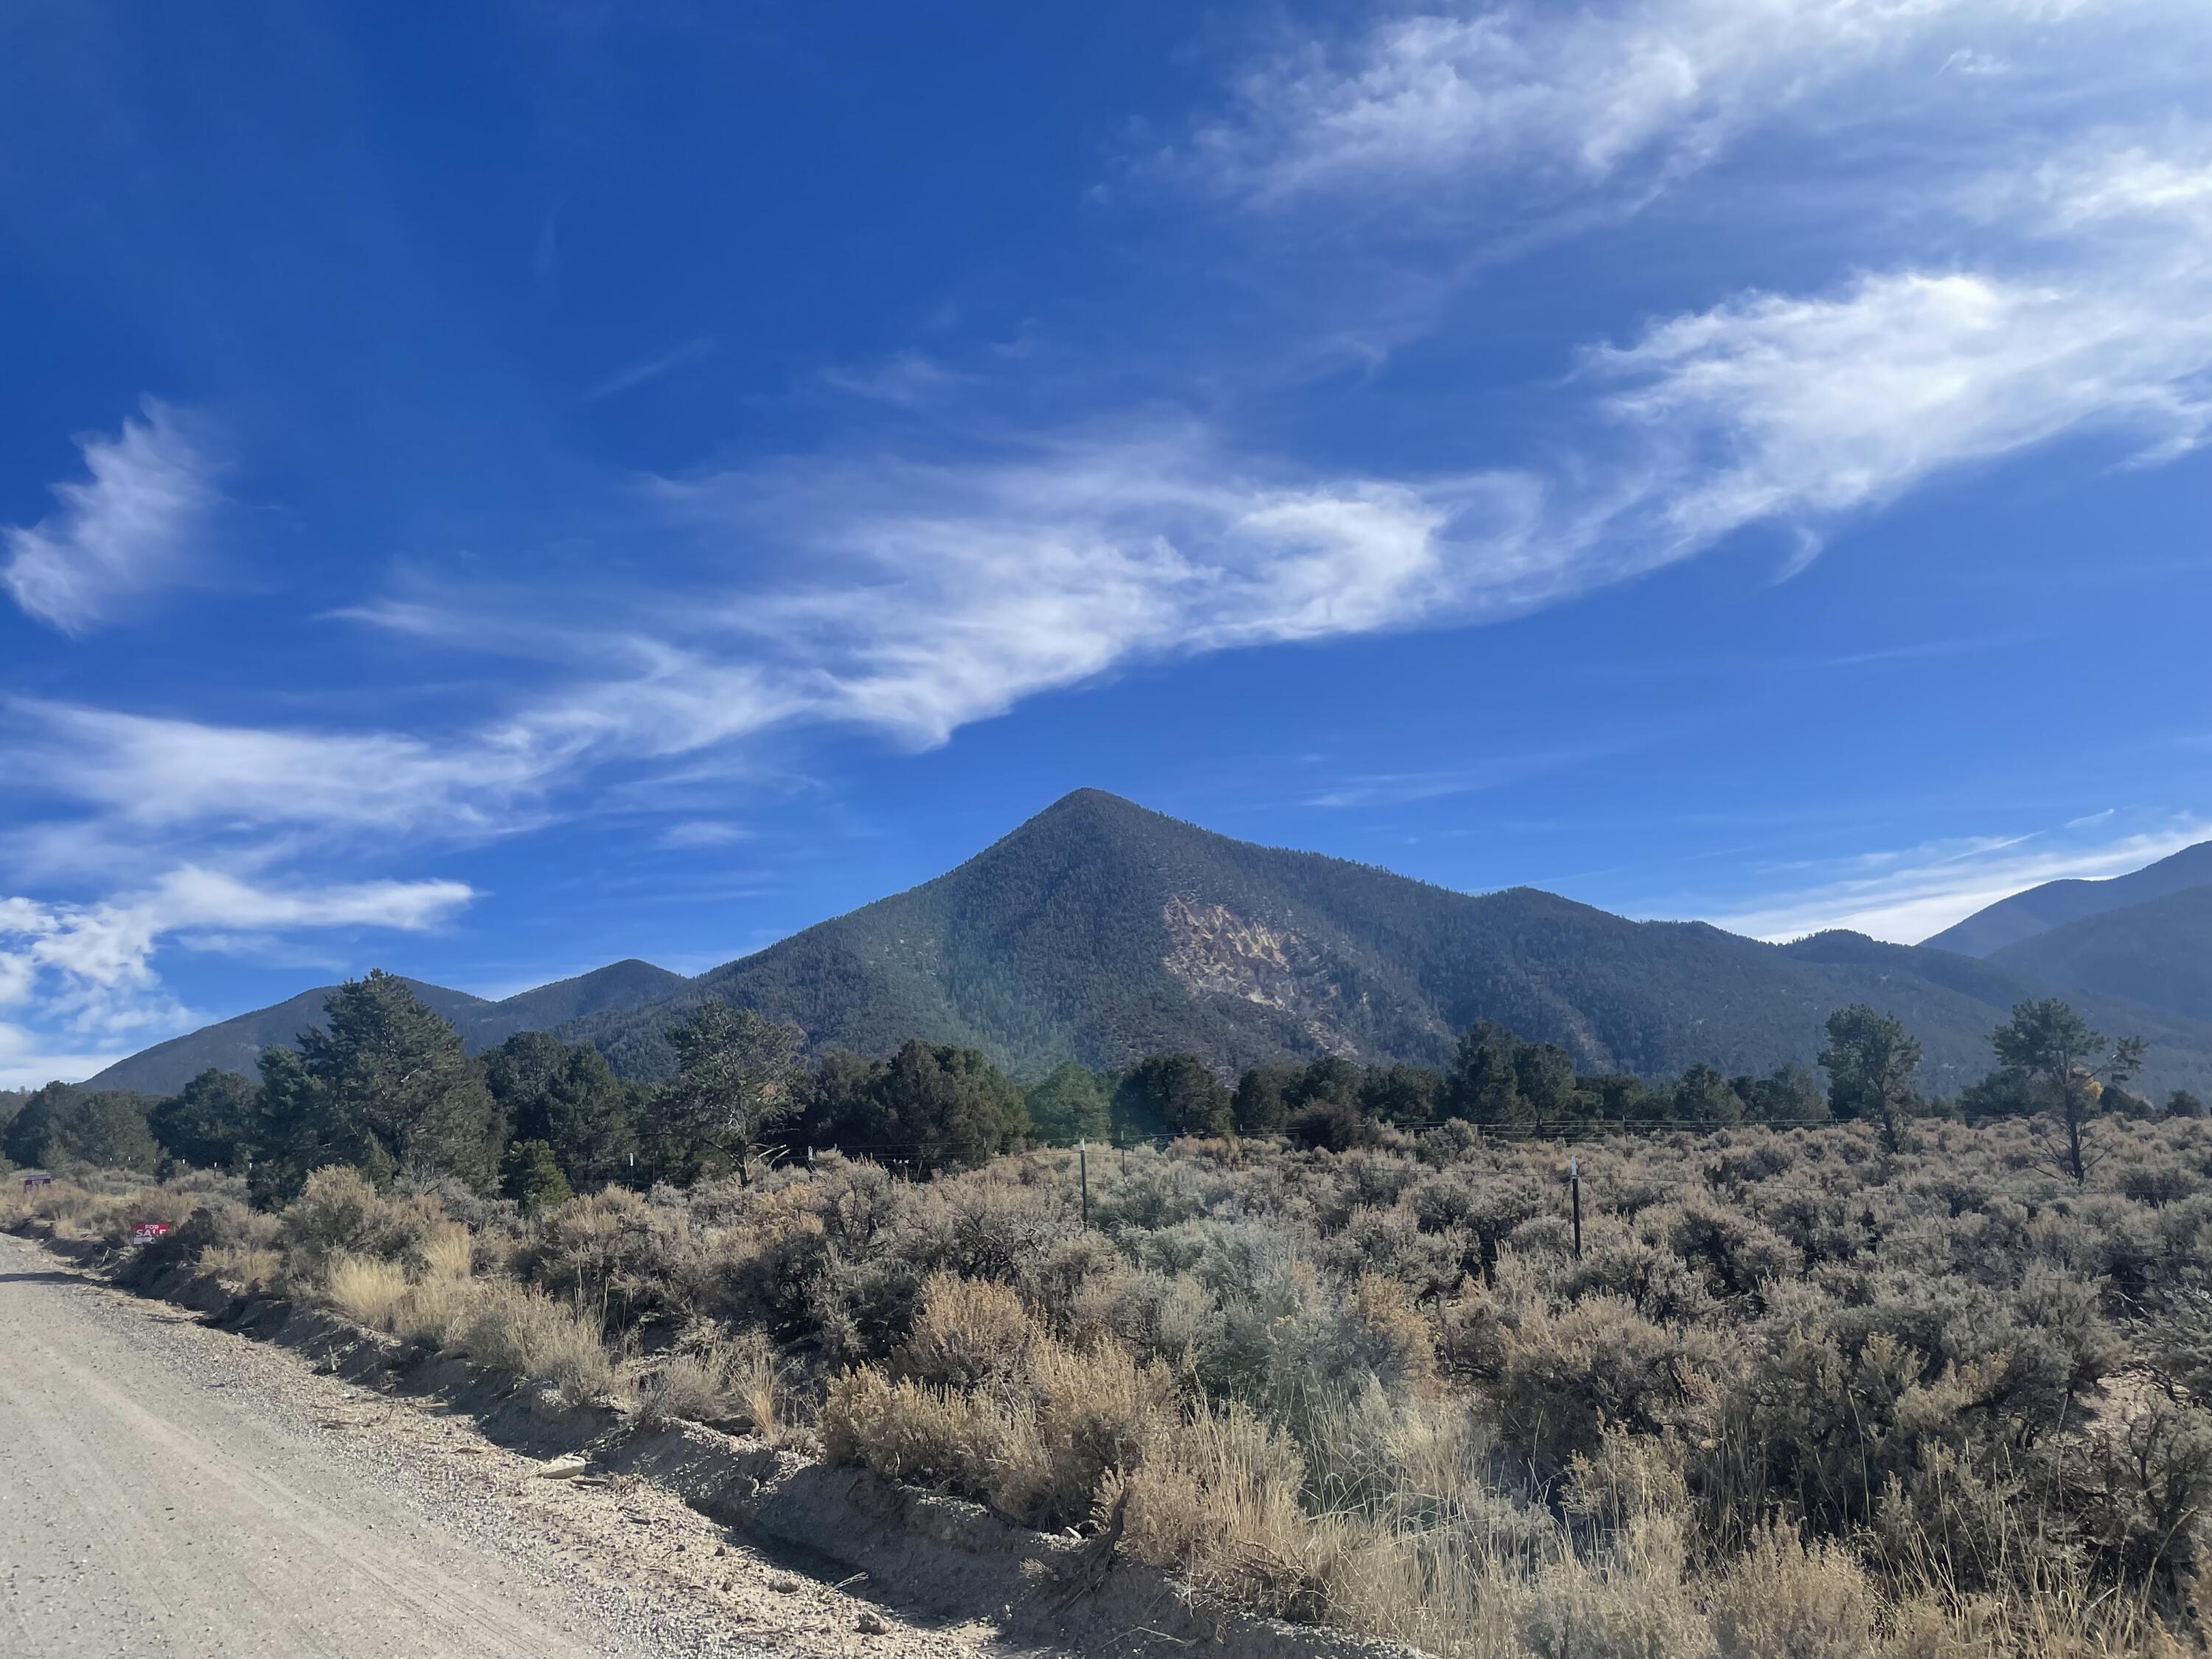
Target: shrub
{"type": "Point", "coordinates": [1780, 1600]}
{"type": "Point", "coordinates": [338, 1213]}
{"type": "Point", "coordinates": [968, 1334]}
{"type": "Point", "coordinates": [1565, 1379]}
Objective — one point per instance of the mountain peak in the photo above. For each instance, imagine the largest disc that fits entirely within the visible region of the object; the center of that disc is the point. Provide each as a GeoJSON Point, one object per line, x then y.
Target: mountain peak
{"type": "Point", "coordinates": [2055, 903]}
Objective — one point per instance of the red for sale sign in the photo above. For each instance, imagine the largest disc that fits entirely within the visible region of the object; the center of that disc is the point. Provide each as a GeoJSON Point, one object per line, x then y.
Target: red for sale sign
{"type": "Point", "coordinates": [147, 1231]}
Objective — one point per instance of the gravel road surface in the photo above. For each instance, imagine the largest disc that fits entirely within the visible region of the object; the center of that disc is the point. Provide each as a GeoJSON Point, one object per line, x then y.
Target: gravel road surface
{"type": "Point", "coordinates": [167, 1489]}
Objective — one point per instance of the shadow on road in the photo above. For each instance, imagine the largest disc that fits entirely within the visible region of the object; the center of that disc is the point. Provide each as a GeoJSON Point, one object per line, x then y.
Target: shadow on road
{"type": "Point", "coordinates": [37, 1279]}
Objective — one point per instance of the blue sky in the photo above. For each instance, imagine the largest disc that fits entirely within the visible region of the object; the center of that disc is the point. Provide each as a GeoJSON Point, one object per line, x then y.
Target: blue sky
{"type": "Point", "coordinates": [487, 494]}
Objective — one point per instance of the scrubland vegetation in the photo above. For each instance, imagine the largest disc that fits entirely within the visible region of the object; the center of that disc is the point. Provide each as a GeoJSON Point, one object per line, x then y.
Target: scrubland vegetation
{"type": "Point", "coordinates": [1801, 1394]}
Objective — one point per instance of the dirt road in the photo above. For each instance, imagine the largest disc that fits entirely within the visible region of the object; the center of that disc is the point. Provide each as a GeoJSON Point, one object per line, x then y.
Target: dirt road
{"type": "Point", "coordinates": [171, 1489]}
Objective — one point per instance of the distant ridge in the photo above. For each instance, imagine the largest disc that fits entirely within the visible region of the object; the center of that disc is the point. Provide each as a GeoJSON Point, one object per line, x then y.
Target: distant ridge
{"type": "Point", "coordinates": [2055, 903]}
{"type": "Point", "coordinates": [235, 1044]}
{"type": "Point", "coordinates": [2158, 952]}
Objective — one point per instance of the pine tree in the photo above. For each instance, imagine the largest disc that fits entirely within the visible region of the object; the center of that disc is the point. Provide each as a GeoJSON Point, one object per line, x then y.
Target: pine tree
{"type": "Point", "coordinates": [212, 1122]}
{"type": "Point", "coordinates": [1069, 1106]}
{"type": "Point", "coordinates": [531, 1176]}
{"type": "Point", "coordinates": [388, 1087]}
{"type": "Point", "coordinates": [570, 1097]}
{"type": "Point", "coordinates": [740, 1077]}
{"type": "Point", "coordinates": [1871, 1061]}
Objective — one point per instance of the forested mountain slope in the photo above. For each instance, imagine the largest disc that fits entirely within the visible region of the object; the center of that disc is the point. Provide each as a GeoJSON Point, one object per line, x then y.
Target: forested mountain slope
{"type": "Point", "coordinates": [626, 984]}
{"type": "Point", "coordinates": [2158, 952]}
{"type": "Point", "coordinates": [236, 1045]}
{"type": "Point", "coordinates": [1101, 931]}
{"type": "Point", "coordinates": [2055, 903]}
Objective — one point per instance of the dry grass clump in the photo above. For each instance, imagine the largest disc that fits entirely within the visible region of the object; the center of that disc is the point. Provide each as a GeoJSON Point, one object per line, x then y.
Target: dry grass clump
{"type": "Point", "coordinates": [366, 1290]}
{"type": "Point", "coordinates": [1781, 1600]}
{"type": "Point", "coordinates": [338, 1213]}
{"type": "Point", "coordinates": [734, 1382]}
{"type": "Point", "coordinates": [500, 1324]}
{"type": "Point", "coordinates": [1218, 1503]}
{"type": "Point", "coordinates": [523, 1331]}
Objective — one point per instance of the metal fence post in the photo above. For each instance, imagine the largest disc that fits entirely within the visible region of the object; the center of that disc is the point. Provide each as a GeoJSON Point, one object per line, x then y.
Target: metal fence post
{"type": "Point", "coordinates": [1574, 1187]}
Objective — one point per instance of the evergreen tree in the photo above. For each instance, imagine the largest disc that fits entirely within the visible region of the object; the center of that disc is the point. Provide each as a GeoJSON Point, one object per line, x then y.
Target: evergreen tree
{"type": "Point", "coordinates": [1871, 1061]}
{"type": "Point", "coordinates": [531, 1174]}
{"type": "Point", "coordinates": [1402, 1094]}
{"type": "Point", "coordinates": [948, 1108]}
{"type": "Point", "coordinates": [62, 1124]}
{"type": "Point", "coordinates": [1262, 1102]}
{"type": "Point", "coordinates": [1331, 1126]}
{"type": "Point", "coordinates": [843, 1105]}
{"type": "Point", "coordinates": [303, 1129]}
{"type": "Point", "coordinates": [1069, 1106]}
{"type": "Point", "coordinates": [1172, 1095]}
{"type": "Point", "coordinates": [567, 1095]}
{"type": "Point", "coordinates": [388, 1086]}
{"type": "Point", "coordinates": [2008, 1091]}
{"type": "Point", "coordinates": [2049, 1043]}
{"type": "Point", "coordinates": [1703, 1096]}
{"type": "Point", "coordinates": [740, 1077]}
{"type": "Point", "coordinates": [212, 1123]}
{"type": "Point", "coordinates": [1544, 1077]}
{"type": "Point", "coordinates": [1484, 1084]}
{"type": "Point", "coordinates": [1331, 1077]}
{"type": "Point", "coordinates": [1790, 1094]}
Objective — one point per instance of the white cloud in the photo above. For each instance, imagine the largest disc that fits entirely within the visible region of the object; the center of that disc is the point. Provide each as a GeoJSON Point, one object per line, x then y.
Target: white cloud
{"type": "Point", "coordinates": [915, 597]}
{"type": "Point", "coordinates": [89, 968]}
{"type": "Point", "coordinates": [907, 379]}
{"type": "Point", "coordinates": [126, 529]}
{"type": "Point", "coordinates": [1780, 408]}
{"type": "Point", "coordinates": [1907, 894]}
{"type": "Point", "coordinates": [27, 1060]}
{"type": "Point", "coordinates": [1552, 100]}
{"type": "Point", "coordinates": [937, 595]}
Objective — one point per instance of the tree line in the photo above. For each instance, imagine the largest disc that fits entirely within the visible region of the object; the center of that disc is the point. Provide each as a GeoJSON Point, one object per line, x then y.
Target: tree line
{"type": "Point", "coordinates": [388, 1087]}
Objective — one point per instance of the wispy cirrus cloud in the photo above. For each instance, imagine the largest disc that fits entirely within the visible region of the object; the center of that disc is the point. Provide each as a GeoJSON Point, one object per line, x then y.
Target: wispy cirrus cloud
{"type": "Point", "coordinates": [128, 528]}
{"type": "Point", "coordinates": [632, 375]}
{"type": "Point", "coordinates": [1433, 107]}
{"type": "Point", "coordinates": [692, 834]}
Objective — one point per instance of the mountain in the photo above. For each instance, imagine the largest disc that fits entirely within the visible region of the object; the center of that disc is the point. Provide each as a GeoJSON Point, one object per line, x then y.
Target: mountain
{"type": "Point", "coordinates": [2055, 903]}
{"type": "Point", "coordinates": [2158, 952]}
{"type": "Point", "coordinates": [626, 984]}
{"type": "Point", "coordinates": [1102, 931]}
{"type": "Point", "coordinates": [235, 1044]}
